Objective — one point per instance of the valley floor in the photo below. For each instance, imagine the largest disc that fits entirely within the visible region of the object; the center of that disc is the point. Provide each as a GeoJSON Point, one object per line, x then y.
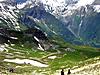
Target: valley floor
{"type": "Point", "coordinates": [90, 69]}
{"type": "Point", "coordinates": [27, 61]}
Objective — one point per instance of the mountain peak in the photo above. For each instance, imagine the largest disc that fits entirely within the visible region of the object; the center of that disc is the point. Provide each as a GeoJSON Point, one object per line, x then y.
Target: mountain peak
{"type": "Point", "coordinates": [2, 0]}
{"type": "Point", "coordinates": [84, 2]}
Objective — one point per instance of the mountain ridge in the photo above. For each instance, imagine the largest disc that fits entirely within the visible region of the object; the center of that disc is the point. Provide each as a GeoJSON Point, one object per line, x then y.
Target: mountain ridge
{"type": "Point", "coordinates": [66, 19]}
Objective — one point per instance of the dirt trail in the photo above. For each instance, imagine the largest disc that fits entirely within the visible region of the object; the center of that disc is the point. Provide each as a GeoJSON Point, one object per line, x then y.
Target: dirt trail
{"type": "Point", "coordinates": [90, 69]}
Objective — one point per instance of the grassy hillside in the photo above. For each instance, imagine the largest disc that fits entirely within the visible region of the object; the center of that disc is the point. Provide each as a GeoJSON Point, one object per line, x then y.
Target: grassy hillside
{"type": "Point", "coordinates": [66, 56]}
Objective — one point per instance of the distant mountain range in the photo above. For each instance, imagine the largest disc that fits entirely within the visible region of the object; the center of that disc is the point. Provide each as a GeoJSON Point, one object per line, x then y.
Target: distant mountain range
{"type": "Point", "coordinates": [76, 21]}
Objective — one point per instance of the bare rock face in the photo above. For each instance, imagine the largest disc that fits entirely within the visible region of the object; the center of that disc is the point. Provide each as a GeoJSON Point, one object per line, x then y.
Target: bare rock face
{"type": "Point", "coordinates": [39, 38]}
{"type": "Point", "coordinates": [32, 35]}
{"type": "Point", "coordinates": [7, 35]}
{"type": "Point", "coordinates": [69, 50]}
{"type": "Point", "coordinates": [96, 2]}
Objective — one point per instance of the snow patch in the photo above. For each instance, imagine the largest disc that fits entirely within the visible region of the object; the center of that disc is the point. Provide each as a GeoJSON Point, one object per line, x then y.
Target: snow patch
{"type": "Point", "coordinates": [54, 3]}
{"type": "Point", "coordinates": [12, 44]}
{"type": "Point", "coordinates": [26, 61]}
{"type": "Point", "coordinates": [36, 38]}
{"type": "Point", "coordinates": [20, 6]}
{"type": "Point", "coordinates": [17, 27]}
{"type": "Point", "coordinates": [40, 47]}
{"type": "Point", "coordinates": [13, 37]}
{"type": "Point", "coordinates": [2, 48]}
{"type": "Point", "coordinates": [2, 0]}
{"type": "Point", "coordinates": [80, 25]}
{"type": "Point", "coordinates": [45, 34]}
{"type": "Point", "coordinates": [52, 57]}
{"type": "Point", "coordinates": [54, 6]}
{"type": "Point", "coordinates": [54, 32]}
{"type": "Point", "coordinates": [84, 2]}
{"type": "Point", "coordinates": [28, 2]}
{"type": "Point", "coordinates": [97, 8]}
{"type": "Point", "coordinates": [6, 45]}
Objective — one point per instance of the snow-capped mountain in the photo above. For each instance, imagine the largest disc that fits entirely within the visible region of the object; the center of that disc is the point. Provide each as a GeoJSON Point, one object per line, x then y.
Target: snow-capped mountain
{"type": "Point", "coordinates": [8, 14]}
{"type": "Point", "coordinates": [70, 19]}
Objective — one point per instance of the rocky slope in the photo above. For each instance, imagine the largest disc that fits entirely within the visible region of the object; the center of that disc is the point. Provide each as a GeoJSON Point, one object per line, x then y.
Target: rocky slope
{"type": "Point", "coordinates": [76, 21]}
{"type": "Point", "coordinates": [70, 19]}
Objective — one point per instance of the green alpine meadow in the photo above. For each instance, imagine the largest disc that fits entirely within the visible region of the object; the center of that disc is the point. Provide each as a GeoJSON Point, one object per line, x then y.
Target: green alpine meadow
{"type": "Point", "coordinates": [49, 37]}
